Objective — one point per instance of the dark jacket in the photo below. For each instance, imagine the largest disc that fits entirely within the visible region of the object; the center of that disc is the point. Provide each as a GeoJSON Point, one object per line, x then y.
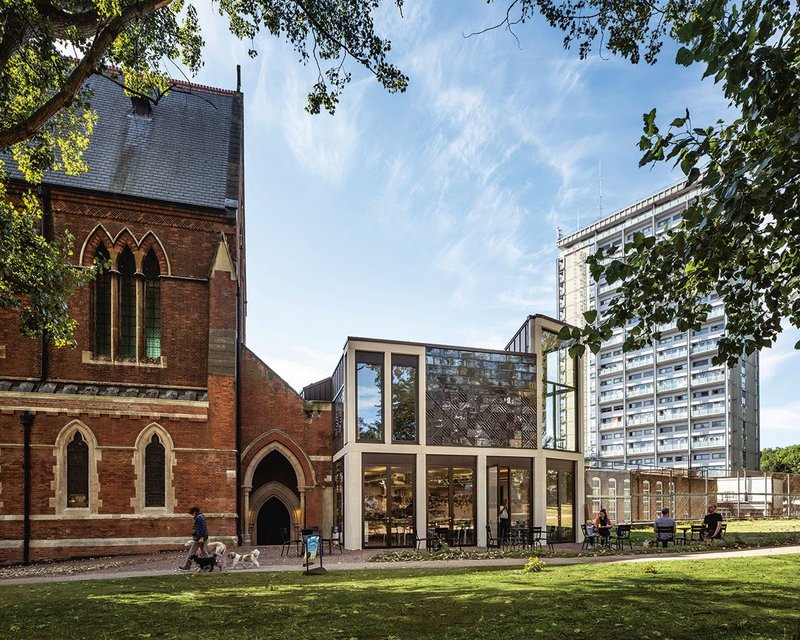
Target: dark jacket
{"type": "Point", "coordinates": [199, 529]}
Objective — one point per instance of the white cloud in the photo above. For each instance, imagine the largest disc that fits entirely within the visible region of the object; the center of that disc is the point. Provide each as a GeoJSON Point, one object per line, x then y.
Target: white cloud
{"type": "Point", "coordinates": [780, 425]}
{"type": "Point", "coordinates": [772, 361]}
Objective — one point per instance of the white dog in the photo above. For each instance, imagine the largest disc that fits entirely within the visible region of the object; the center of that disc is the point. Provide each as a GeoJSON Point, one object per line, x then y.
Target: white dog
{"type": "Point", "coordinates": [250, 559]}
{"type": "Point", "coordinates": [212, 548]}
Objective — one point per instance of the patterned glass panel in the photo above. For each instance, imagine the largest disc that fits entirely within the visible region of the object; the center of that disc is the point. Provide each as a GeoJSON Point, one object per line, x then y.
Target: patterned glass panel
{"type": "Point", "coordinates": [480, 399]}
{"type": "Point", "coordinates": [338, 421]}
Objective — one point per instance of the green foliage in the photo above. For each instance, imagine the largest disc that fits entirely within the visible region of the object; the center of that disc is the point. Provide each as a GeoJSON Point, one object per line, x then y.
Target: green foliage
{"type": "Point", "coordinates": [534, 565]}
{"type": "Point", "coordinates": [738, 236]}
{"type": "Point", "coordinates": [649, 568]}
{"type": "Point", "coordinates": [48, 48]}
{"type": "Point", "coordinates": [781, 459]}
{"type": "Point", "coordinates": [35, 275]}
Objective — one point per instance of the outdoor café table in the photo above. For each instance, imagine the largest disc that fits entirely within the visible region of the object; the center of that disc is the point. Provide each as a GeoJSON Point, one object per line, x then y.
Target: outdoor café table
{"type": "Point", "coordinates": [519, 536]}
{"type": "Point", "coordinates": [683, 539]}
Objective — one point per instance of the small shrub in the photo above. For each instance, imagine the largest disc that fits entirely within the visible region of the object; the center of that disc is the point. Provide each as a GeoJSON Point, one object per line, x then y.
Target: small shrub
{"type": "Point", "coordinates": [534, 565]}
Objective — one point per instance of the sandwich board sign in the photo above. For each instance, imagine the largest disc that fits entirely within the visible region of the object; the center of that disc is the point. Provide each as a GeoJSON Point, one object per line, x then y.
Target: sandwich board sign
{"type": "Point", "coordinates": [313, 551]}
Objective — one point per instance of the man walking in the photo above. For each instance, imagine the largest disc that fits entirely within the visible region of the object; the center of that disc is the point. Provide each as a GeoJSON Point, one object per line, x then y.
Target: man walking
{"type": "Point", "coordinates": [199, 537]}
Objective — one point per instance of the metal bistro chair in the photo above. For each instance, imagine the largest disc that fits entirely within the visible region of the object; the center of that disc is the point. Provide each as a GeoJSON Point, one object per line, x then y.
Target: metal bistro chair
{"type": "Point", "coordinates": [431, 544]}
{"type": "Point", "coordinates": [621, 535]}
{"type": "Point", "coordinates": [698, 529]}
{"type": "Point", "coordinates": [589, 539]}
{"type": "Point", "coordinates": [287, 542]}
{"type": "Point", "coordinates": [536, 536]}
{"type": "Point", "coordinates": [551, 537]}
{"type": "Point", "coordinates": [491, 541]}
{"type": "Point", "coordinates": [722, 529]}
{"type": "Point", "coordinates": [665, 531]}
{"type": "Point", "coordinates": [334, 540]}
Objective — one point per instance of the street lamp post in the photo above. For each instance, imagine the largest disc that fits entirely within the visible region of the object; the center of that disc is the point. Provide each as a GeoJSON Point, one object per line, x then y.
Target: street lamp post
{"type": "Point", "coordinates": [26, 420]}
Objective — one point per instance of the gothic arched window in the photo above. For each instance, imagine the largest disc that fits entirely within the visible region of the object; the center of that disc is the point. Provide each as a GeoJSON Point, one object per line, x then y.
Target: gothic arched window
{"type": "Point", "coordinates": [154, 477]}
{"type": "Point", "coordinates": [102, 306]}
{"type": "Point", "coordinates": [77, 472]}
{"type": "Point", "coordinates": [127, 304]}
{"type": "Point", "coordinates": [152, 306]}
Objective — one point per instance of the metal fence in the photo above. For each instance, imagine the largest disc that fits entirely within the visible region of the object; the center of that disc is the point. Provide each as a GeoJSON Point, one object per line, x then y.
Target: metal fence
{"type": "Point", "coordinates": [637, 496]}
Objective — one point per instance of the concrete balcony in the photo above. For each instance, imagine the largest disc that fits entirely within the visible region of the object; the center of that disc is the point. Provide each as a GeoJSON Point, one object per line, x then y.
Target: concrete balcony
{"type": "Point", "coordinates": [665, 415]}
{"type": "Point", "coordinates": [675, 383]}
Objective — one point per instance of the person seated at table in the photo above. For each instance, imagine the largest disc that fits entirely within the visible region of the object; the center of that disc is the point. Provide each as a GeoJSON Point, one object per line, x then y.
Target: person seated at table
{"type": "Point", "coordinates": [664, 521]}
{"type": "Point", "coordinates": [602, 525]}
{"type": "Point", "coordinates": [712, 523]}
{"type": "Point", "coordinates": [591, 534]}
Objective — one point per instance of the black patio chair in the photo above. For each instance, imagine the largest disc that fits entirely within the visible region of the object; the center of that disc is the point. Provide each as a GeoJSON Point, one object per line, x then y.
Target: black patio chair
{"type": "Point", "coordinates": [333, 541]}
{"type": "Point", "coordinates": [491, 541]}
{"type": "Point", "coordinates": [589, 539]}
{"type": "Point", "coordinates": [696, 529]}
{"type": "Point", "coordinates": [722, 529]}
{"type": "Point", "coordinates": [551, 537]}
{"type": "Point", "coordinates": [622, 535]}
{"type": "Point", "coordinates": [431, 544]}
{"type": "Point", "coordinates": [287, 542]}
{"type": "Point", "coordinates": [668, 536]}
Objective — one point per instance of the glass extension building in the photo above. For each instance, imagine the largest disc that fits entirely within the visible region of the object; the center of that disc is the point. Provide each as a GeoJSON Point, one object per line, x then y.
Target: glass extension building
{"type": "Point", "coordinates": [665, 405]}
{"type": "Point", "coordinates": [429, 440]}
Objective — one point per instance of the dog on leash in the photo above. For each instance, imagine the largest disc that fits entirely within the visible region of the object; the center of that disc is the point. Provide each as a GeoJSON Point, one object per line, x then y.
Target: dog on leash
{"type": "Point", "coordinates": [211, 548]}
{"type": "Point", "coordinates": [249, 559]}
{"type": "Point", "coordinates": [206, 563]}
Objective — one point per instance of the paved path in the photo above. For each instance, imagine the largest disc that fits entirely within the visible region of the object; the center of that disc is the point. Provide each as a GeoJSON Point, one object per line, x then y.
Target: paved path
{"type": "Point", "coordinates": [166, 563]}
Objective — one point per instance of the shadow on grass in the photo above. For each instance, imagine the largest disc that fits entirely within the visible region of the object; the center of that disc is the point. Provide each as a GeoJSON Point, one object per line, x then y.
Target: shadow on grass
{"type": "Point", "coordinates": [738, 599]}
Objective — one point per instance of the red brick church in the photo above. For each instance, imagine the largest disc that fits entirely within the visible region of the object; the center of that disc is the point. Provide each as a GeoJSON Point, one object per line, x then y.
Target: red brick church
{"type": "Point", "coordinates": [161, 406]}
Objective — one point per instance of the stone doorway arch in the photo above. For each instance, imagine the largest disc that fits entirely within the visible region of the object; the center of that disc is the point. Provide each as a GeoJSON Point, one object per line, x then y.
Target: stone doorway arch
{"type": "Point", "coordinates": [292, 497]}
{"type": "Point", "coordinates": [261, 496]}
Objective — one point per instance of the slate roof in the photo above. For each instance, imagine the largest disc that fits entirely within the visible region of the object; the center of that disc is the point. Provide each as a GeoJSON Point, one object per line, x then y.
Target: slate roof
{"type": "Point", "coordinates": [186, 151]}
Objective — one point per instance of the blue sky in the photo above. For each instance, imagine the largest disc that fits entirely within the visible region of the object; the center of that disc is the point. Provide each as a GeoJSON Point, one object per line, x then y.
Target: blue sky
{"type": "Point", "coordinates": [432, 216]}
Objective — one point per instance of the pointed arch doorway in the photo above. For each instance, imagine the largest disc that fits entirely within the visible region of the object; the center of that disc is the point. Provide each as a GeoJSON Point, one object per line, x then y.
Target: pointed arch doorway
{"type": "Point", "coordinates": [272, 518]}
{"type": "Point", "coordinates": [273, 494]}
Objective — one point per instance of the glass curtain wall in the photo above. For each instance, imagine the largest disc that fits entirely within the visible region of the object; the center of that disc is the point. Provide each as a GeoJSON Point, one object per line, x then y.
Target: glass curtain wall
{"type": "Point", "coordinates": [561, 499]}
{"type": "Point", "coordinates": [388, 493]}
{"type": "Point", "coordinates": [338, 499]}
{"type": "Point", "coordinates": [451, 501]}
{"type": "Point", "coordinates": [559, 423]}
{"type": "Point", "coordinates": [510, 486]}
{"type": "Point", "coordinates": [369, 396]}
{"type": "Point", "coordinates": [404, 398]}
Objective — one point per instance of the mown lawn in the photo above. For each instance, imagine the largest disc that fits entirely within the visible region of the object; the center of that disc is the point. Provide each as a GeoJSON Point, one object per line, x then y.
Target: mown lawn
{"type": "Point", "coordinates": [754, 599]}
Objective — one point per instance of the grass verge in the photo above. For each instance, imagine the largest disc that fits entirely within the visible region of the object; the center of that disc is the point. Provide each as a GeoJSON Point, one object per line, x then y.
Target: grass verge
{"type": "Point", "coordinates": [736, 599]}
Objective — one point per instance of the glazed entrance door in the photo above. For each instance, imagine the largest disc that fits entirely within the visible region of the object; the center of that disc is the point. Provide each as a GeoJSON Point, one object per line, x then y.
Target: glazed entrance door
{"type": "Point", "coordinates": [510, 486]}
{"type": "Point", "coordinates": [561, 499]}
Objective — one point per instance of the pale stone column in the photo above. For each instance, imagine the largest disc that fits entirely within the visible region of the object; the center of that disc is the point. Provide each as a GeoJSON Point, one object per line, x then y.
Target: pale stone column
{"type": "Point", "coordinates": [247, 525]}
{"type": "Point", "coordinates": [481, 495]}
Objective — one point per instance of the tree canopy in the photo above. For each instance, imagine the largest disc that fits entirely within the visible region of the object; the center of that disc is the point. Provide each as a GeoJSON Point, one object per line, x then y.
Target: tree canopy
{"type": "Point", "coordinates": [781, 459]}
{"type": "Point", "coordinates": [48, 49]}
{"type": "Point", "coordinates": [738, 237]}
